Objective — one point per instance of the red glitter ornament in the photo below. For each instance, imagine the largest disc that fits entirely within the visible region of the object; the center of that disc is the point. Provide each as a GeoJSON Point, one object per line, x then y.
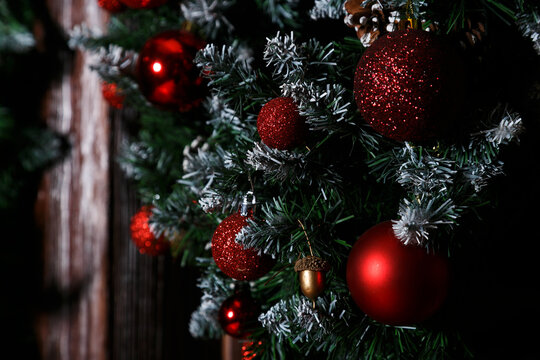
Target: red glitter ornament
{"type": "Point", "coordinates": [279, 124]}
{"type": "Point", "coordinates": [393, 283]}
{"type": "Point", "coordinates": [142, 235]}
{"type": "Point", "coordinates": [409, 86]}
{"type": "Point", "coordinates": [112, 6]}
{"type": "Point", "coordinates": [113, 95]}
{"type": "Point", "coordinates": [166, 74]}
{"type": "Point", "coordinates": [143, 4]}
{"type": "Point", "coordinates": [238, 314]}
{"type": "Point", "coordinates": [231, 257]}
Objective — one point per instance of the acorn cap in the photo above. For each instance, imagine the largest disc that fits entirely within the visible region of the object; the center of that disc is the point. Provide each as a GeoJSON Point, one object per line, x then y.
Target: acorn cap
{"type": "Point", "coordinates": [313, 263]}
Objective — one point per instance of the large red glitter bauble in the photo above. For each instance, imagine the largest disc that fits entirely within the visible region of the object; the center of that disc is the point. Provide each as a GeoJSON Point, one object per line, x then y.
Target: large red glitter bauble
{"type": "Point", "coordinates": [142, 235]}
{"type": "Point", "coordinates": [143, 4]}
{"type": "Point", "coordinates": [112, 6]}
{"type": "Point", "coordinates": [279, 124]}
{"type": "Point", "coordinates": [238, 314]}
{"type": "Point", "coordinates": [112, 94]}
{"type": "Point", "coordinates": [393, 283]}
{"type": "Point", "coordinates": [166, 74]}
{"type": "Point", "coordinates": [231, 257]}
{"type": "Point", "coordinates": [409, 86]}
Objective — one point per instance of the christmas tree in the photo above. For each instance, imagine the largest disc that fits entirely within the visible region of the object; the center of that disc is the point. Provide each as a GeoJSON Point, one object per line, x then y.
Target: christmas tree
{"type": "Point", "coordinates": [324, 163]}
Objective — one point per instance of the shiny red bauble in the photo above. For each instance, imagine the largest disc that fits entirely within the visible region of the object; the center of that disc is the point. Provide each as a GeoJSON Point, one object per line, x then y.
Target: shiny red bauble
{"type": "Point", "coordinates": [393, 283]}
{"type": "Point", "coordinates": [143, 4]}
{"type": "Point", "coordinates": [112, 6]}
{"type": "Point", "coordinates": [279, 124]}
{"type": "Point", "coordinates": [142, 235]}
{"type": "Point", "coordinates": [238, 314]}
{"type": "Point", "coordinates": [166, 73]}
{"type": "Point", "coordinates": [409, 86]}
{"type": "Point", "coordinates": [231, 257]}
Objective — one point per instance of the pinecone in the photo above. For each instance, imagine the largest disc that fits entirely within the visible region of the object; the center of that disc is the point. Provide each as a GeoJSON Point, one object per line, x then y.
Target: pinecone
{"type": "Point", "coordinates": [473, 33]}
{"type": "Point", "coordinates": [370, 21]}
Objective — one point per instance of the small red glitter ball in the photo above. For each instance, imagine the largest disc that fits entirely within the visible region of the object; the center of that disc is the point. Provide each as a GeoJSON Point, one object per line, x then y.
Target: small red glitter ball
{"type": "Point", "coordinates": [232, 258]}
{"type": "Point", "coordinates": [166, 74]}
{"type": "Point", "coordinates": [393, 283]}
{"type": "Point", "coordinates": [143, 4]}
{"type": "Point", "coordinates": [409, 86]}
{"type": "Point", "coordinates": [279, 124]}
{"type": "Point", "coordinates": [142, 235]}
{"type": "Point", "coordinates": [112, 94]}
{"type": "Point", "coordinates": [238, 314]}
{"type": "Point", "coordinates": [112, 6]}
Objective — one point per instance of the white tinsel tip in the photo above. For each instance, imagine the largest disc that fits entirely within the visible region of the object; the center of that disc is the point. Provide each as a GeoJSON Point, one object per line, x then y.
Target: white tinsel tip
{"type": "Point", "coordinates": [17, 41]}
{"type": "Point", "coordinates": [529, 24]}
{"type": "Point", "coordinates": [283, 53]}
{"type": "Point", "coordinates": [327, 9]}
{"type": "Point", "coordinates": [210, 203]}
{"type": "Point", "coordinates": [208, 14]}
{"type": "Point", "coordinates": [508, 129]}
{"type": "Point", "coordinates": [296, 319]}
{"type": "Point", "coordinates": [80, 34]}
{"type": "Point", "coordinates": [417, 219]}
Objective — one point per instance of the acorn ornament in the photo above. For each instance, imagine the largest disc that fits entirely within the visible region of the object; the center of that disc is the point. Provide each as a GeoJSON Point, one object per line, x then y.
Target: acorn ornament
{"type": "Point", "coordinates": [311, 272]}
{"type": "Point", "coordinates": [311, 275]}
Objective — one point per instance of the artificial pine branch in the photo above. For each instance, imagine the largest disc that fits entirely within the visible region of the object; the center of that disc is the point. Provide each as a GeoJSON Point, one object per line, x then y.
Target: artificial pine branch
{"type": "Point", "coordinates": [325, 184]}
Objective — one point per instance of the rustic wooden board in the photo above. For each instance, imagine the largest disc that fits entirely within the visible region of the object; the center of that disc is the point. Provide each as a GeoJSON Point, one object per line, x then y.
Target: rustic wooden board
{"type": "Point", "coordinates": [102, 299]}
{"type": "Point", "coordinates": [74, 202]}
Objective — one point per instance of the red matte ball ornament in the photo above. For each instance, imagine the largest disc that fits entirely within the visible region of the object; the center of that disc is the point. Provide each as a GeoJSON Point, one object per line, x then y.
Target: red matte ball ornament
{"type": "Point", "coordinates": [166, 73]}
{"type": "Point", "coordinates": [280, 125]}
{"type": "Point", "coordinates": [393, 283]}
{"type": "Point", "coordinates": [143, 4]}
{"type": "Point", "coordinates": [409, 86]}
{"type": "Point", "coordinates": [231, 257]}
{"type": "Point", "coordinates": [142, 235]}
{"type": "Point", "coordinates": [238, 314]}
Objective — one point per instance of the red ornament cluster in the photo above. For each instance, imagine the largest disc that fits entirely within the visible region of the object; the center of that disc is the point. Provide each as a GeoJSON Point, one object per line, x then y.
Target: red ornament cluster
{"type": "Point", "coordinates": [238, 314]}
{"type": "Point", "coordinates": [143, 4]}
{"type": "Point", "coordinates": [408, 86]}
{"type": "Point", "coordinates": [112, 6]}
{"type": "Point", "coordinates": [279, 124]}
{"type": "Point", "coordinates": [393, 283]}
{"type": "Point", "coordinates": [113, 95]}
{"type": "Point", "coordinates": [232, 258]}
{"type": "Point", "coordinates": [142, 235]}
{"type": "Point", "coordinates": [166, 73]}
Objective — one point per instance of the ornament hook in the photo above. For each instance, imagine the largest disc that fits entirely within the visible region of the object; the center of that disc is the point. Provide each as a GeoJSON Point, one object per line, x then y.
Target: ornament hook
{"type": "Point", "coordinates": [246, 205]}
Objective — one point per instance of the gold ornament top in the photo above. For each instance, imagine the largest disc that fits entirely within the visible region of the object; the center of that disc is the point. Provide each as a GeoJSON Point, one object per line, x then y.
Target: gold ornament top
{"type": "Point", "coordinates": [313, 263]}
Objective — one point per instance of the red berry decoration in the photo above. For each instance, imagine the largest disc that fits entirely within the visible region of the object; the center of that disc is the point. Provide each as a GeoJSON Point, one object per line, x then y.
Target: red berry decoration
{"type": "Point", "coordinates": [279, 124]}
{"type": "Point", "coordinates": [238, 314]}
{"type": "Point", "coordinates": [143, 4]}
{"type": "Point", "coordinates": [142, 235]}
{"type": "Point", "coordinates": [112, 6]}
{"type": "Point", "coordinates": [232, 258]}
{"type": "Point", "coordinates": [113, 95]}
{"type": "Point", "coordinates": [393, 283]}
{"type": "Point", "coordinates": [166, 74]}
{"type": "Point", "coordinates": [409, 86]}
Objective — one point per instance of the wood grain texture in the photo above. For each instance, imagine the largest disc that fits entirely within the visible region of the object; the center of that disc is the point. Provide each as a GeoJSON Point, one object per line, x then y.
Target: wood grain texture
{"type": "Point", "coordinates": [104, 300]}
{"type": "Point", "coordinates": [73, 200]}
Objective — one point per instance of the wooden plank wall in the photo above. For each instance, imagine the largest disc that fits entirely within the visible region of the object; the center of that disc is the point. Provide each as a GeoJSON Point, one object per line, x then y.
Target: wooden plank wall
{"type": "Point", "coordinates": [74, 202]}
{"type": "Point", "coordinates": [108, 301]}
